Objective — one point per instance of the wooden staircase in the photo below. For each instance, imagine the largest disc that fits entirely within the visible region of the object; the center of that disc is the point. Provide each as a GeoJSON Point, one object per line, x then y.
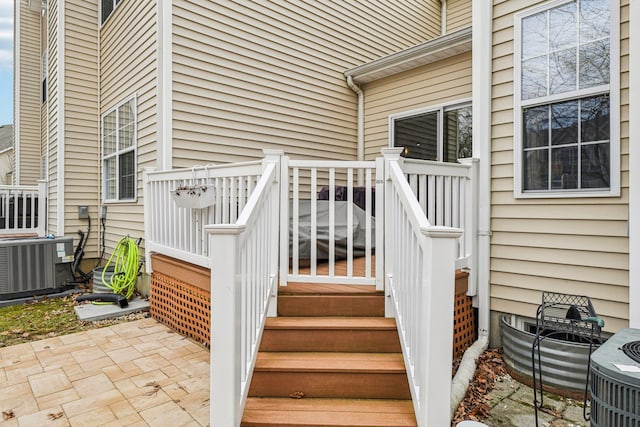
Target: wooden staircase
{"type": "Point", "coordinates": [330, 359]}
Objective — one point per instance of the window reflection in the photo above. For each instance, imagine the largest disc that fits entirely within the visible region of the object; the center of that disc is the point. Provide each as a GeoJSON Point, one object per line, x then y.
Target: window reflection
{"type": "Point", "coordinates": [564, 123]}
{"type": "Point", "coordinates": [536, 166]}
{"type": "Point", "coordinates": [536, 127]}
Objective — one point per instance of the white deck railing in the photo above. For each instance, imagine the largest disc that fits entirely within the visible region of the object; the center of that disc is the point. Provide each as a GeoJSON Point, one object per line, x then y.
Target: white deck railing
{"type": "Point", "coordinates": [180, 232]}
{"type": "Point", "coordinates": [244, 274]}
{"type": "Point", "coordinates": [344, 192]}
{"type": "Point", "coordinates": [256, 216]}
{"type": "Point", "coordinates": [23, 209]}
{"type": "Point", "coordinates": [446, 196]}
{"type": "Point", "coordinates": [420, 272]}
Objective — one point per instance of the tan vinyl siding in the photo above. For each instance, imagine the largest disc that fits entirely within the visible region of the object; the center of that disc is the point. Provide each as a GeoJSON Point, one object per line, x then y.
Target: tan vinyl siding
{"type": "Point", "coordinates": [458, 14]}
{"type": "Point", "coordinates": [82, 142]}
{"type": "Point", "coordinates": [434, 84]}
{"type": "Point", "coordinates": [6, 166]}
{"type": "Point", "coordinates": [128, 68]}
{"type": "Point", "coordinates": [254, 75]}
{"type": "Point", "coordinates": [52, 117]}
{"type": "Point", "coordinates": [566, 245]}
{"type": "Point", "coordinates": [29, 95]}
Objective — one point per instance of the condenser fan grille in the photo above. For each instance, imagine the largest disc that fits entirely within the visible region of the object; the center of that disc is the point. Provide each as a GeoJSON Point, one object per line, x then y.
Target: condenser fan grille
{"type": "Point", "coordinates": [632, 350]}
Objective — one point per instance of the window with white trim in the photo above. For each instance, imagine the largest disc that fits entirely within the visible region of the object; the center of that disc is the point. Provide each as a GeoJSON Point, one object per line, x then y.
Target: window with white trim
{"type": "Point", "coordinates": [440, 133]}
{"type": "Point", "coordinates": [106, 8]}
{"type": "Point", "coordinates": [119, 152]}
{"type": "Point", "coordinates": [566, 138]}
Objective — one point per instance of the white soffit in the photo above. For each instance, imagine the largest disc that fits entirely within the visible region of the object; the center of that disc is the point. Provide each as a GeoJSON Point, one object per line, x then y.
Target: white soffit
{"type": "Point", "coordinates": [425, 53]}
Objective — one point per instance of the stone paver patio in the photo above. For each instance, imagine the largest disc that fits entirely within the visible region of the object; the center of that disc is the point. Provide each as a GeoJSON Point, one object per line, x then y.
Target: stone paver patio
{"type": "Point", "coordinates": [138, 373]}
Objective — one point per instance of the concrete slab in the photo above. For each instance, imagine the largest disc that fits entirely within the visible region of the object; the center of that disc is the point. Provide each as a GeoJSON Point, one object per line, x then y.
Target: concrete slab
{"type": "Point", "coordinates": [92, 312]}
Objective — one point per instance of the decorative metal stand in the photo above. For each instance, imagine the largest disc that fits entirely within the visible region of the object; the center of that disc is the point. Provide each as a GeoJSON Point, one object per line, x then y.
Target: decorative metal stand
{"type": "Point", "coordinates": [567, 317]}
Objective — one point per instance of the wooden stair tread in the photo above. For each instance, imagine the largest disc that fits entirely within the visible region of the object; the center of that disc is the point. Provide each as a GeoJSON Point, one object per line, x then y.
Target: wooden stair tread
{"type": "Point", "coordinates": [334, 323]}
{"type": "Point", "coordinates": [328, 412]}
{"type": "Point", "coordinates": [330, 362]}
{"type": "Point", "coordinates": [294, 288]}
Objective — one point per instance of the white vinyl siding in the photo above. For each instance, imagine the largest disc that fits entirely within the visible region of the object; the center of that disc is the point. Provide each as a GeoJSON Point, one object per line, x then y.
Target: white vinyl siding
{"type": "Point", "coordinates": [569, 245]}
{"type": "Point", "coordinates": [443, 82]}
{"type": "Point", "coordinates": [255, 75]}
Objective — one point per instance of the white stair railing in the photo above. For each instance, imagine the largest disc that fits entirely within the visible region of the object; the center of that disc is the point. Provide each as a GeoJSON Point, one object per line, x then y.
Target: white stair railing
{"type": "Point", "coordinates": [244, 274]}
{"type": "Point", "coordinates": [23, 209]}
{"type": "Point", "coordinates": [179, 232]}
{"type": "Point", "coordinates": [420, 273]}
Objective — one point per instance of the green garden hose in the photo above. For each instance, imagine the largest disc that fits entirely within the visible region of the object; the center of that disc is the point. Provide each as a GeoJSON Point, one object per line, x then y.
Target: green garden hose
{"type": "Point", "coordinates": [125, 268]}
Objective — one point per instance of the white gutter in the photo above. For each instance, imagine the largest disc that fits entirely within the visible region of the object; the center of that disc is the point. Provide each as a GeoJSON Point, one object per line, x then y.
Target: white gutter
{"type": "Point", "coordinates": [360, 143]}
{"type": "Point", "coordinates": [425, 53]}
{"type": "Point", "coordinates": [17, 36]}
{"type": "Point", "coordinates": [481, 89]}
{"type": "Point", "coordinates": [634, 162]}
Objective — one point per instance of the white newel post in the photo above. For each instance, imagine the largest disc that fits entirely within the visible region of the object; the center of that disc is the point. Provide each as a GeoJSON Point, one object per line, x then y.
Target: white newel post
{"type": "Point", "coordinates": [274, 156]}
{"type": "Point", "coordinates": [470, 225]}
{"type": "Point", "coordinates": [380, 218]}
{"type": "Point", "coordinates": [284, 221]}
{"type": "Point", "coordinates": [42, 208]}
{"type": "Point", "coordinates": [149, 205]}
{"type": "Point", "coordinates": [225, 325]}
{"type": "Point", "coordinates": [390, 155]}
{"type": "Point", "coordinates": [437, 313]}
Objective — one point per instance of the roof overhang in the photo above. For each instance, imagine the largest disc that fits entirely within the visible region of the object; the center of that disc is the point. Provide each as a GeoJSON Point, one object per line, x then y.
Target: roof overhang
{"type": "Point", "coordinates": [425, 53]}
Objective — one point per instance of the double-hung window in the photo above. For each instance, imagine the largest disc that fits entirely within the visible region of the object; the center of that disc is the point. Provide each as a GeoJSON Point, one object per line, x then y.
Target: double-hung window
{"type": "Point", "coordinates": [566, 100]}
{"type": "Point", "coordinates": [119, 152]}
{"type": "Point", "coordinates": [440, 133]}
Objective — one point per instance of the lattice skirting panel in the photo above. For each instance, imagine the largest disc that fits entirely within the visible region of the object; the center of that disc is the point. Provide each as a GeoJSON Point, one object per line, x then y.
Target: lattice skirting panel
{"type": "Point", "coordinates": [464, 323]}
{"type": "Point", "coordinates": [181, 306]}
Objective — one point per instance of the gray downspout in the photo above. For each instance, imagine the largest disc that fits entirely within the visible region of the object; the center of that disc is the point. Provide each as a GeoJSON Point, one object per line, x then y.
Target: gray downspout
{"type": "Point", "coordinates": [360, 136]}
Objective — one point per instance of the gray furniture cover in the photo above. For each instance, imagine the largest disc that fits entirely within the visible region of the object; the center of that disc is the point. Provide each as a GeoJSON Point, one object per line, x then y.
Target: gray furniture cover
{"type": "Point", "coordinates": [322, 235]}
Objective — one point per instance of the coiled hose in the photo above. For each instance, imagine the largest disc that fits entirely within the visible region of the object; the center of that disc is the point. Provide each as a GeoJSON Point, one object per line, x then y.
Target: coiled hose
{"type": "Point", "coordinates": [125, 268]}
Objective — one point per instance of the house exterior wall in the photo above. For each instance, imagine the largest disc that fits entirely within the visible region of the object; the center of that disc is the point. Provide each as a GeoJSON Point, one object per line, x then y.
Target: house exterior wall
{"type": "Point", "coordinates": [6, 166]}
{"type": "Point", "coordinates": [567, 245]}
{"type": "Point", "coordinates": [458, 15]}
{"type": "Point", "coordinates": [27, 90]}
{"type": "Point", "coordinates": [254, 75]}
{"type": "Point", "coordinates": [6, 154]}
{"type": "Point", "coordinates": [82, 132]}
{"type": "Point", "coordinates": [128, 68]}
{"type": "Point", "coordinates": [441, 82]}
{"type": "Point", "coordinates": [52, 112]}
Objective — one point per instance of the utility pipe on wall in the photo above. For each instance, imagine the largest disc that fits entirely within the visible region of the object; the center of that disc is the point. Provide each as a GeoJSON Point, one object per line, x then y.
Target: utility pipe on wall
{"type": "Point", "coordinates": [481, 87]}
{"type": "Point", "coordinates": [360, 138]}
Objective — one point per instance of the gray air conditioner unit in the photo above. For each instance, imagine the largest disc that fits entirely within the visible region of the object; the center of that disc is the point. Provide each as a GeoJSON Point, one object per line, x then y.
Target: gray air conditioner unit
{"type": "Point", "coordinates": [34, 266]}
{"type": "Point", "coordinates": [615, 381]}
